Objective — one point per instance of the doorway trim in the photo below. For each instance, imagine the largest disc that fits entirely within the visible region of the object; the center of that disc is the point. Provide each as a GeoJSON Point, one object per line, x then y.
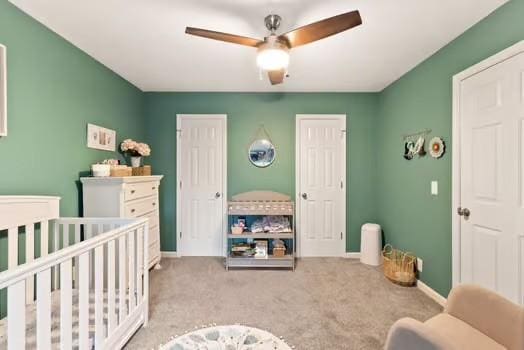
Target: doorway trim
{"type": "Point", "coordinates": [300, 117]}
{"type": "Point", "coordinates": [178, 220]}
{"type": "Point", "coordinates": [502, 56]}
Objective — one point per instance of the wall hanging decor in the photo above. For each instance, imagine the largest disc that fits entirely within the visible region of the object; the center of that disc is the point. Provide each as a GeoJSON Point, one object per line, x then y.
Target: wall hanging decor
{"type": "Point", "coordinates": [101, 138]}
{"type": "Point", "coordinates": [437, 147]}
{"type": "Point", "coordinates": [414, 144]}
{"type": "Point", "coordinates": [3, 90]}
{"type": "Point", "coordinates": [261, 152]}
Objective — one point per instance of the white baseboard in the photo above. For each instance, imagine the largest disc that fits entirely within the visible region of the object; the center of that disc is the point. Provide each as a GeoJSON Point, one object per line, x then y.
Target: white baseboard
{"type": "Point", "coordinates": [168, 255]}
{"type": "Point", "coordinates": [353, 255]}
{"type": "Point", "coordinates": [431, 293]}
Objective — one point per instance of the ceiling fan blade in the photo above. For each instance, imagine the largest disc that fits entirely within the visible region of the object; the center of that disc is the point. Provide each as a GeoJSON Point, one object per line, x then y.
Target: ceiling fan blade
{"type": "Point", "coordinates": [230, 38]}
{"type": "Point", "coordinates": [276, 76]}
{"type": "Point", "coordinates": [322, 29]}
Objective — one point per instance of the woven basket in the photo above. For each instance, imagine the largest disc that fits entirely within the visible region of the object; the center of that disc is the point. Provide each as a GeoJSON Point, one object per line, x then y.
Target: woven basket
{"type": "Point", "coordinates": [142, 171]}
{"type": "Point", "coordinates": [399, 267]}
{"type": "Point", "coordinates": [279, 252]}
{"type": "Point", "coordinates": [121, 171]}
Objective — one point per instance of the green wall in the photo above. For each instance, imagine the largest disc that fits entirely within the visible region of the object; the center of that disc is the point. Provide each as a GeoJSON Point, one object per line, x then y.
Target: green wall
{"type": "Point", "coordinates": [246, 112]}
{"type": "Point", "coordinates": [54, 90]}
{"type": "Point", "coordinates": [411, 218]}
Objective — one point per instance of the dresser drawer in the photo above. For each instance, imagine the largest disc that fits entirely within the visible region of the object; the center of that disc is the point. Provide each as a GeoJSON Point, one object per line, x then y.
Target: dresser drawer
{"type": "Point", "coordinates": [140, 190]}
{"type": "Point", "coordinates": [153, 219]}
{"type": "Point", "coordinates": [139, 207]}
{"type": "Point", "coordinates": [153, 244]}
{"type": "Point", "coordinates": [154, 251]}
{"type": "Point", "coordinates": [154, 236]}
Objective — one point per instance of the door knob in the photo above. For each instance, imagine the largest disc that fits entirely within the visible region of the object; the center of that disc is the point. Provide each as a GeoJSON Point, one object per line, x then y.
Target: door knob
{"type": "Point", "coordinates": [465, 212]}
{"type": "Point", "coordinates": [304, 195]}
{"type": "Point", "coordinates": [217, 195]}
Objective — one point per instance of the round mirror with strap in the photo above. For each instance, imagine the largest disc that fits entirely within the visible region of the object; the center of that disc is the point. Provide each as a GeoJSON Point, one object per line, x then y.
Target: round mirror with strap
{"type": "Point", "coordinates": [261, 151]}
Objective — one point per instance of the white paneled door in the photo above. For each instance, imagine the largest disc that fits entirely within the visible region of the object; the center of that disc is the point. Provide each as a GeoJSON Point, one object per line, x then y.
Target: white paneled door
{"type": "Point", "coordinates": [201, 184]}
{"type": "Point", "coordinates": [321, 184]}
{"type": "Point", "coordinates": [492, 178]}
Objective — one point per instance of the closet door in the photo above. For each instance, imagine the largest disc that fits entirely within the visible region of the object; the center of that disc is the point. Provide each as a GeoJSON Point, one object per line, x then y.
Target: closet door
{"type": "Point", "coordinates": [321, 189]}
{"type": "Point", "coordinates": [201, 173]}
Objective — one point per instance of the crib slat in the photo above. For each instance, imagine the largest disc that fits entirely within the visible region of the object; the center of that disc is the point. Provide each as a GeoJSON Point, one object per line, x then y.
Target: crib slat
{"type": "Point", "coordinates": [56, 247]}
{"type": "Point", "coordinates": [111, 315]}
{"type": "Point", "coordinates": [99, 297]}
{"type": "Point", "coordinates": [43, 310]}
{"type": "Point", "coordinates": [77, 240]}
{"type": "Point", "coordinates": [77, 233]}
{"type": "Point", "coordinates": [139, 264]}
{"type": "Point", "coordinates": [83, 303]}
{"type": "Point", "coordinates": [122, 311]}
{"type": "Point", "coordinates": [131, 269]}
{"type": "Point", "coordinates": [65, 235]}
{"type": "Point", "coordinates": [146, 274]}
{"type": "Point", "coordinates": [16, 316]}
{"type": "Point", "coordinates": [12, 243]}
{"type": "Point", "coordinates": [66, 305]}
{"type": "Point", "coordinates": [56, 236]}
{"type": "Point", "coordinates": [44, 238]}
{"type": "Point", "coordinates": [30, 256]}
{"type": "Point", "coordinates": [88, 231]}
{"type": "Point", "coordinates": [88, 235]}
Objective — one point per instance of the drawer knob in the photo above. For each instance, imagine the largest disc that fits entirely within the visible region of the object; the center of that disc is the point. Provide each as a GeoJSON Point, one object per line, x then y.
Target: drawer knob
{"type": "Point", "coordinates": [132, 191]}
{"type": "Point", "coordinates": [154, 203]}
{"type": "Point", "coordinates": [153, 188]}
{"type": "Point", "coordinates": [132, 210]}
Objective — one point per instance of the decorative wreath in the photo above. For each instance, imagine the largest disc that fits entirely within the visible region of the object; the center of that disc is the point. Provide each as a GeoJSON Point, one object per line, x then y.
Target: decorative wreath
{"type": "Point", "coordinates": [437, 147]}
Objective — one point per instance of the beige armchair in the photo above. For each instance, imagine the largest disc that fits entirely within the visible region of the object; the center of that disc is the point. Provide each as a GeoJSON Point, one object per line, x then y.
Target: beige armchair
{"type": "Point", "coordinates": [473, 319]}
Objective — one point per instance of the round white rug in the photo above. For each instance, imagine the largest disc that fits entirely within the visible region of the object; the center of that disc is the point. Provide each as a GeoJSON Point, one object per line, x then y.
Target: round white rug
{"type": "Point", "coordinates": [234, 337]}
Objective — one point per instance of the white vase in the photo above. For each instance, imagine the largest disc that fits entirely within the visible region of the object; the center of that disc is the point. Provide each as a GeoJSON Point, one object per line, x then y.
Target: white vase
{"type": "Point", "coordinates": [135, 161]}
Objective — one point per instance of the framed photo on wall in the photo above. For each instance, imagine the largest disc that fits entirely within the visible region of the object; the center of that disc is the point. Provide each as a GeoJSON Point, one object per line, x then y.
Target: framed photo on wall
{"type": "Point", "coordinates": [3, 90]}
{"type": "Point", "coordinates": [101, 138]}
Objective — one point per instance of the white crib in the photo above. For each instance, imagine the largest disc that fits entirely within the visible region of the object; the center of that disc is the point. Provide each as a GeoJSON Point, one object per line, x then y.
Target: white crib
{"type": "Point", "coordinates": [87, 289]}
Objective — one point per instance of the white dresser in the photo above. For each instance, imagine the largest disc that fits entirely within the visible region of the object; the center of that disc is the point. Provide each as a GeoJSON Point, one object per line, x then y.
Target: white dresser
{"type": "Point", "coordinates": [126, 197]}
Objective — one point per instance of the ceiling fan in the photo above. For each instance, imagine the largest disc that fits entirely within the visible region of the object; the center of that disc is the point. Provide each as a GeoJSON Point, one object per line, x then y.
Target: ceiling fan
{"type": "Point", "coordinates": [273, 51]}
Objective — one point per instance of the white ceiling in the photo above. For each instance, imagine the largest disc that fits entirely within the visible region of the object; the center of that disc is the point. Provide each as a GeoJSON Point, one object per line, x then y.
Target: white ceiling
{"type": "Point", "coordinates": [144, 40]}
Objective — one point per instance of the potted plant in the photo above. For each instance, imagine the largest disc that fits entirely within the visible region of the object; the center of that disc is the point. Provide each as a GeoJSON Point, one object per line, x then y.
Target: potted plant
{"type": "Point", "coordinates": [135, 150]}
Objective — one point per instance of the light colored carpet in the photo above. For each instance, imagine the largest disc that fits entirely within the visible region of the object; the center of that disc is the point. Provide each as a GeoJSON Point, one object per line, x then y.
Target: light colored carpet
{"type": "Point", "coordinates": [327, 303]}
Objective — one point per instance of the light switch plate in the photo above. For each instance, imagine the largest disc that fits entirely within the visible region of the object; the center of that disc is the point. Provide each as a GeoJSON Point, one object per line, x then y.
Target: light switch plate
{"type": "Point", "coordinates": [420, 264]}
{"type": "Point", "coordinates": [434, 188]}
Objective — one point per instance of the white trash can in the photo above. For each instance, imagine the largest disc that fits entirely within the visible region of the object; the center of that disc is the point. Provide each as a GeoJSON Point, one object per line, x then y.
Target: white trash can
{"type": "Point", "coordinates": [371, 245]}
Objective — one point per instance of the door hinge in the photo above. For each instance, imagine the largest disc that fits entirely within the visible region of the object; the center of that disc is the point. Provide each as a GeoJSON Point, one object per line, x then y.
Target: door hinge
{"type": "Point", "coordinates": [180, 234]}
{"type": "Point", "coordinates": [341, 184]}
{"type": "Point", "coordinates": [341, 235]}
{"type": "Point", "coordinates": [179, 132]}
{"type": "Point", "coordinates": [342, 133]}
{"type": "Point", "coordinates": [180, 184]}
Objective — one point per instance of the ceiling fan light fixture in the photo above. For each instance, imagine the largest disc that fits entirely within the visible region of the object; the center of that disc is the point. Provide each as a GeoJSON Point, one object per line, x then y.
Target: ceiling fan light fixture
{"type": "Point", "coordinates": [273, 59]}
{"type": "Point", "coordinates": [273, 55]}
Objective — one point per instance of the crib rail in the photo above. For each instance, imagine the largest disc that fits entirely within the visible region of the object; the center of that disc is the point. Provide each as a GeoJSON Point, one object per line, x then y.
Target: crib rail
{"type": "Point", "coordinates": [90, 256]}
{"type": "Point", "coordinates": [19, 216]}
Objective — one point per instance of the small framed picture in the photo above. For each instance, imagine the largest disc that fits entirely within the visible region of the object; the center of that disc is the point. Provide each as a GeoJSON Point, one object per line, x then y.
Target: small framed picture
{"type": "Point", "coordinates": [101, 138]}
{"type": "Point", "coordinates": [241, 221]}
{"type": "Point", "coordinates": [261, 249]}
{"type": "Point", "coordinates": [3, 90]}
